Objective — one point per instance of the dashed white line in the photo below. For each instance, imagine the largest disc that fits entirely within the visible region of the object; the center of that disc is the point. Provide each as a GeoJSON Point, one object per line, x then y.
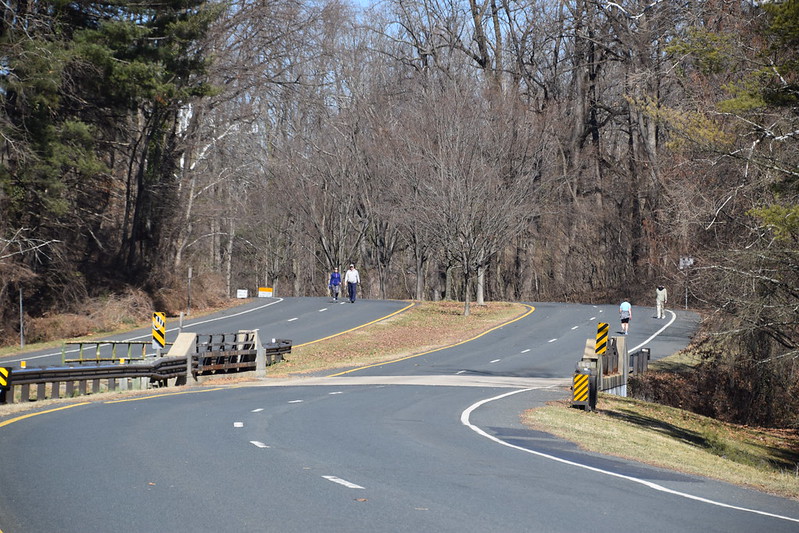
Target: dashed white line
{"type": "Point", "coordinates": [258, 444]}
{"type": "Point", "coordinates": [592, 318]}
{"type": "Point", "coordinates": [257, 410]}
{"type": "Point", "coordinates": [552, 340]}
{"type": "Point", "coordinates": [344, 482]}
{"type": "Point", "coordinates": [295, 401]}
{"type": "Point", "coordinates": [292, 319]}
{"type": "Point", "coordinates": [336, 392]}
{"type": "Point", "coordinates": [575, 327]}
{"type": "Point", "coordinates": [323, 309]}
{"type": "Point", "coordinates": [238, 424]}
{"type": "Point", "coordinates": [525, 351]}
{"type": "Point", "coordinates": [460, 372]}
{"type": "Point", "coordinates": [496, 360]}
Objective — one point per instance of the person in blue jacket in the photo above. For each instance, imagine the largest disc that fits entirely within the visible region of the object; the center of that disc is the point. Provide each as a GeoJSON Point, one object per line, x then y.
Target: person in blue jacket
{"type": "Point", "coordinates": [334, 284]}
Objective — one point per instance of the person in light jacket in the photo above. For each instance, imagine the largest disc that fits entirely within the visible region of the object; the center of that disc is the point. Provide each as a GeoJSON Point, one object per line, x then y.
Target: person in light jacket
{"type": "Point", "coordinates": [625, 314]}
{"type": "Point", "coordinates": [661, 299]}
{"type": "Point", "coordinates": [352, 279]}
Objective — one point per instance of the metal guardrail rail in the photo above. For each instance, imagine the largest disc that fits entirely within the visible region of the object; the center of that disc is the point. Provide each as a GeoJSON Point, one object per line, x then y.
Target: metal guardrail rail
{"type": "Point", "coordinates": [105, 351]}
{"type": "Point", "coordinates": [222, 356]}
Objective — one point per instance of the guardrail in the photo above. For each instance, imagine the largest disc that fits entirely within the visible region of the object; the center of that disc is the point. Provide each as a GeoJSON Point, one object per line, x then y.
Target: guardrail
{"type": "Point", "coordinates": [607, 372]}
{"type": "Point", "coordinates": [105, 351]}
{"type": "Point", "coordinates": [222, 353]}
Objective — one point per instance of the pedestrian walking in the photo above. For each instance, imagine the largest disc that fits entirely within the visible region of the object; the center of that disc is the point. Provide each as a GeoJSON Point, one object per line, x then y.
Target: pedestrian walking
{"type": "Point", "coordinates": [661, 299]}
{"type": "Point", "coordinates": [352, 279]}
{"type": "Point", "coordinates": [625, 314]}
{"type": "Point", "coordinates": [334, 284]}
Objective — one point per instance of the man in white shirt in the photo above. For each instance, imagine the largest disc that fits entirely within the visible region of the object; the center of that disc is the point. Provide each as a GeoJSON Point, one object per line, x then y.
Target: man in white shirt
{"type": "Point", "coordinates": [352, 279]}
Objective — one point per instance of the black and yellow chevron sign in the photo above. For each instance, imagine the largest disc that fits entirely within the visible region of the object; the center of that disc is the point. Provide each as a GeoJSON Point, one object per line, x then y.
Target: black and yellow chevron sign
{"type": "Point", "coordinates": [602, 330]}
{"type": "Point", "coordinates": [580, 388]}
{"type": "Point", "coordinates": [159, 330]}
{"type": "Point", "coordinates": [5, 378]}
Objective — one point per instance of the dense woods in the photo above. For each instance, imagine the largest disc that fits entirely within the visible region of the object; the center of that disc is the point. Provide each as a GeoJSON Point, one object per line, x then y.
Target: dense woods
{"type": "Point", "coordinates": [464, 149]}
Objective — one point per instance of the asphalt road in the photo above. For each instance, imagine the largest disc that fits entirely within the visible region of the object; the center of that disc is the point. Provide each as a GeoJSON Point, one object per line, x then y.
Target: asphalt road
{"type": "Point", "coordinates": [430, 443]}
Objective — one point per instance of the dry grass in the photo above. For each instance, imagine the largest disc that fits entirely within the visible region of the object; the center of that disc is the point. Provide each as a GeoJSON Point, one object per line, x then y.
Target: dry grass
{"type": "Point", "coordinates": [426, 326]}
{"type": "Point", "coordinates": [767, 460]}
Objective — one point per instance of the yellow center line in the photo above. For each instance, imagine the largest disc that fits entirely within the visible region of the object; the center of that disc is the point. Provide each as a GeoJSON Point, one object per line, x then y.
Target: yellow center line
{"type": "Point", "coordinates": [357, 327]}
{"type": "Point", "coordinates": [530, 310]}
{"type": "Point", "coordinates": [23, 417]}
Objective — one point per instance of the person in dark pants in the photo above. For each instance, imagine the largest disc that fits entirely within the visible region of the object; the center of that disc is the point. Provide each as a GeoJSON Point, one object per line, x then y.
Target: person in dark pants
{"type": "Point", "coordinates": [352, 279]}
{"type": "Point", "coordinates": [625, 314]}
{"type": "Point", "coordinates": [334, 284]}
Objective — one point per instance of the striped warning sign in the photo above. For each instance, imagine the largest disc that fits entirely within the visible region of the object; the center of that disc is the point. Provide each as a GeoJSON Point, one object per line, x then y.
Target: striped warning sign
{"type": "Point", "coordinates": [159, 330]}
{"type": "Point", "coordinates": [5, 378]}
{"type": "Point", "coordinates": [602, 337]}
{"type": "Point", "coordinates": [580, 388]}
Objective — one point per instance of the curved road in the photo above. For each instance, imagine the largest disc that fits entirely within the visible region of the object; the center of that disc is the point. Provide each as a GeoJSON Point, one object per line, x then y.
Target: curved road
{"type": "Point", "coordinates": [429, 443]}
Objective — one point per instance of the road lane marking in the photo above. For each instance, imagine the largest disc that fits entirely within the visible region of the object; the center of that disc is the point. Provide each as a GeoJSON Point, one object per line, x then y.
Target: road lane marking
{"type": "Point", "coordinates": [23, 417]}
{"type": "Point", "coordinates": [336, 392]}
{"type": "Point", "coordinates": [525, 351]}
{"type": "Point", "coordinates": [291, 319]}
{"type": "Point", "coordinates": [496, 360]}
{"type": "Point", "coordinates": [258, 444]}
{"type": "Point", "coordinates": [257, 410]}
{"type": "Point", "coordinates": [466, 422]}
{"type": "Point", "coordinates": [344, 482]}
{"type": "Point", "coordinates": [148, 335]}
{"type": "Point", "coordinates": [238, 424]}
{"type": "Point", "coordinates": [575, 327]}
{"type": "Point", "coordinates": [323, 309]}
{"type": "Point", "coordinates": [530, 310]}
{"type": "Point", "coordinates": [552, 340]}
{"type": "Point", "coordinates": [658, 332]}
{"type": "Point", "coordinates": [295, 401]}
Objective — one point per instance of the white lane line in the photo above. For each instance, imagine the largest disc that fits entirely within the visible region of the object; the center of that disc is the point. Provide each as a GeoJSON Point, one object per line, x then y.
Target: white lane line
{"type": "Point", "coordinates": [257, 410]}
{"type": "Point", "coordinates": [344, 482]}
{"type": "Point", "coordinates": [258, 444]}
{"type": "Point", "coordinates": [575, 327]}
{"type": "Point", "coordinates": [525, 351]}
{"type": "Point", "coordinates": [552, 340]}
{"type": "Point", "coordinates": [238, 424]}
{"type": "Point", "coordinates": [460, 372]}
{"type": "Point", "coordinates": [592, 318]}
{"type": "Point", "coordinates": [466, 422]}
{"type": "Point", "coordinates": [323, 309]}
{"type": "Point", "coordinates": [292, 319]}
{"type": "Point", "coordinates": [296, 401]}
{"type": "Point", "coordinates": [336, 392]}
{"type": "Point", "coordinates": [148, 335]}
{"type": "Point", "coordinates": [658, 332]}
{"type": "Point", "coordinates": [496, 360]}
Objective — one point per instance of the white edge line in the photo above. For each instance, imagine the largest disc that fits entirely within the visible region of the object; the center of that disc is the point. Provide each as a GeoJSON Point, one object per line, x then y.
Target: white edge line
{"type": "Point", "coordinates": [23, 358]}
{"type": "Point", "coordinates": [658, 332]}
{"type": "Point", "coordinates": [466, 422]}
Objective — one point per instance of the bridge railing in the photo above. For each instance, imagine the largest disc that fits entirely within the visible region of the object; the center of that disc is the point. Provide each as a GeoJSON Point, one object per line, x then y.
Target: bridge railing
{"type": "Point", "coordinates": [220, 354]}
